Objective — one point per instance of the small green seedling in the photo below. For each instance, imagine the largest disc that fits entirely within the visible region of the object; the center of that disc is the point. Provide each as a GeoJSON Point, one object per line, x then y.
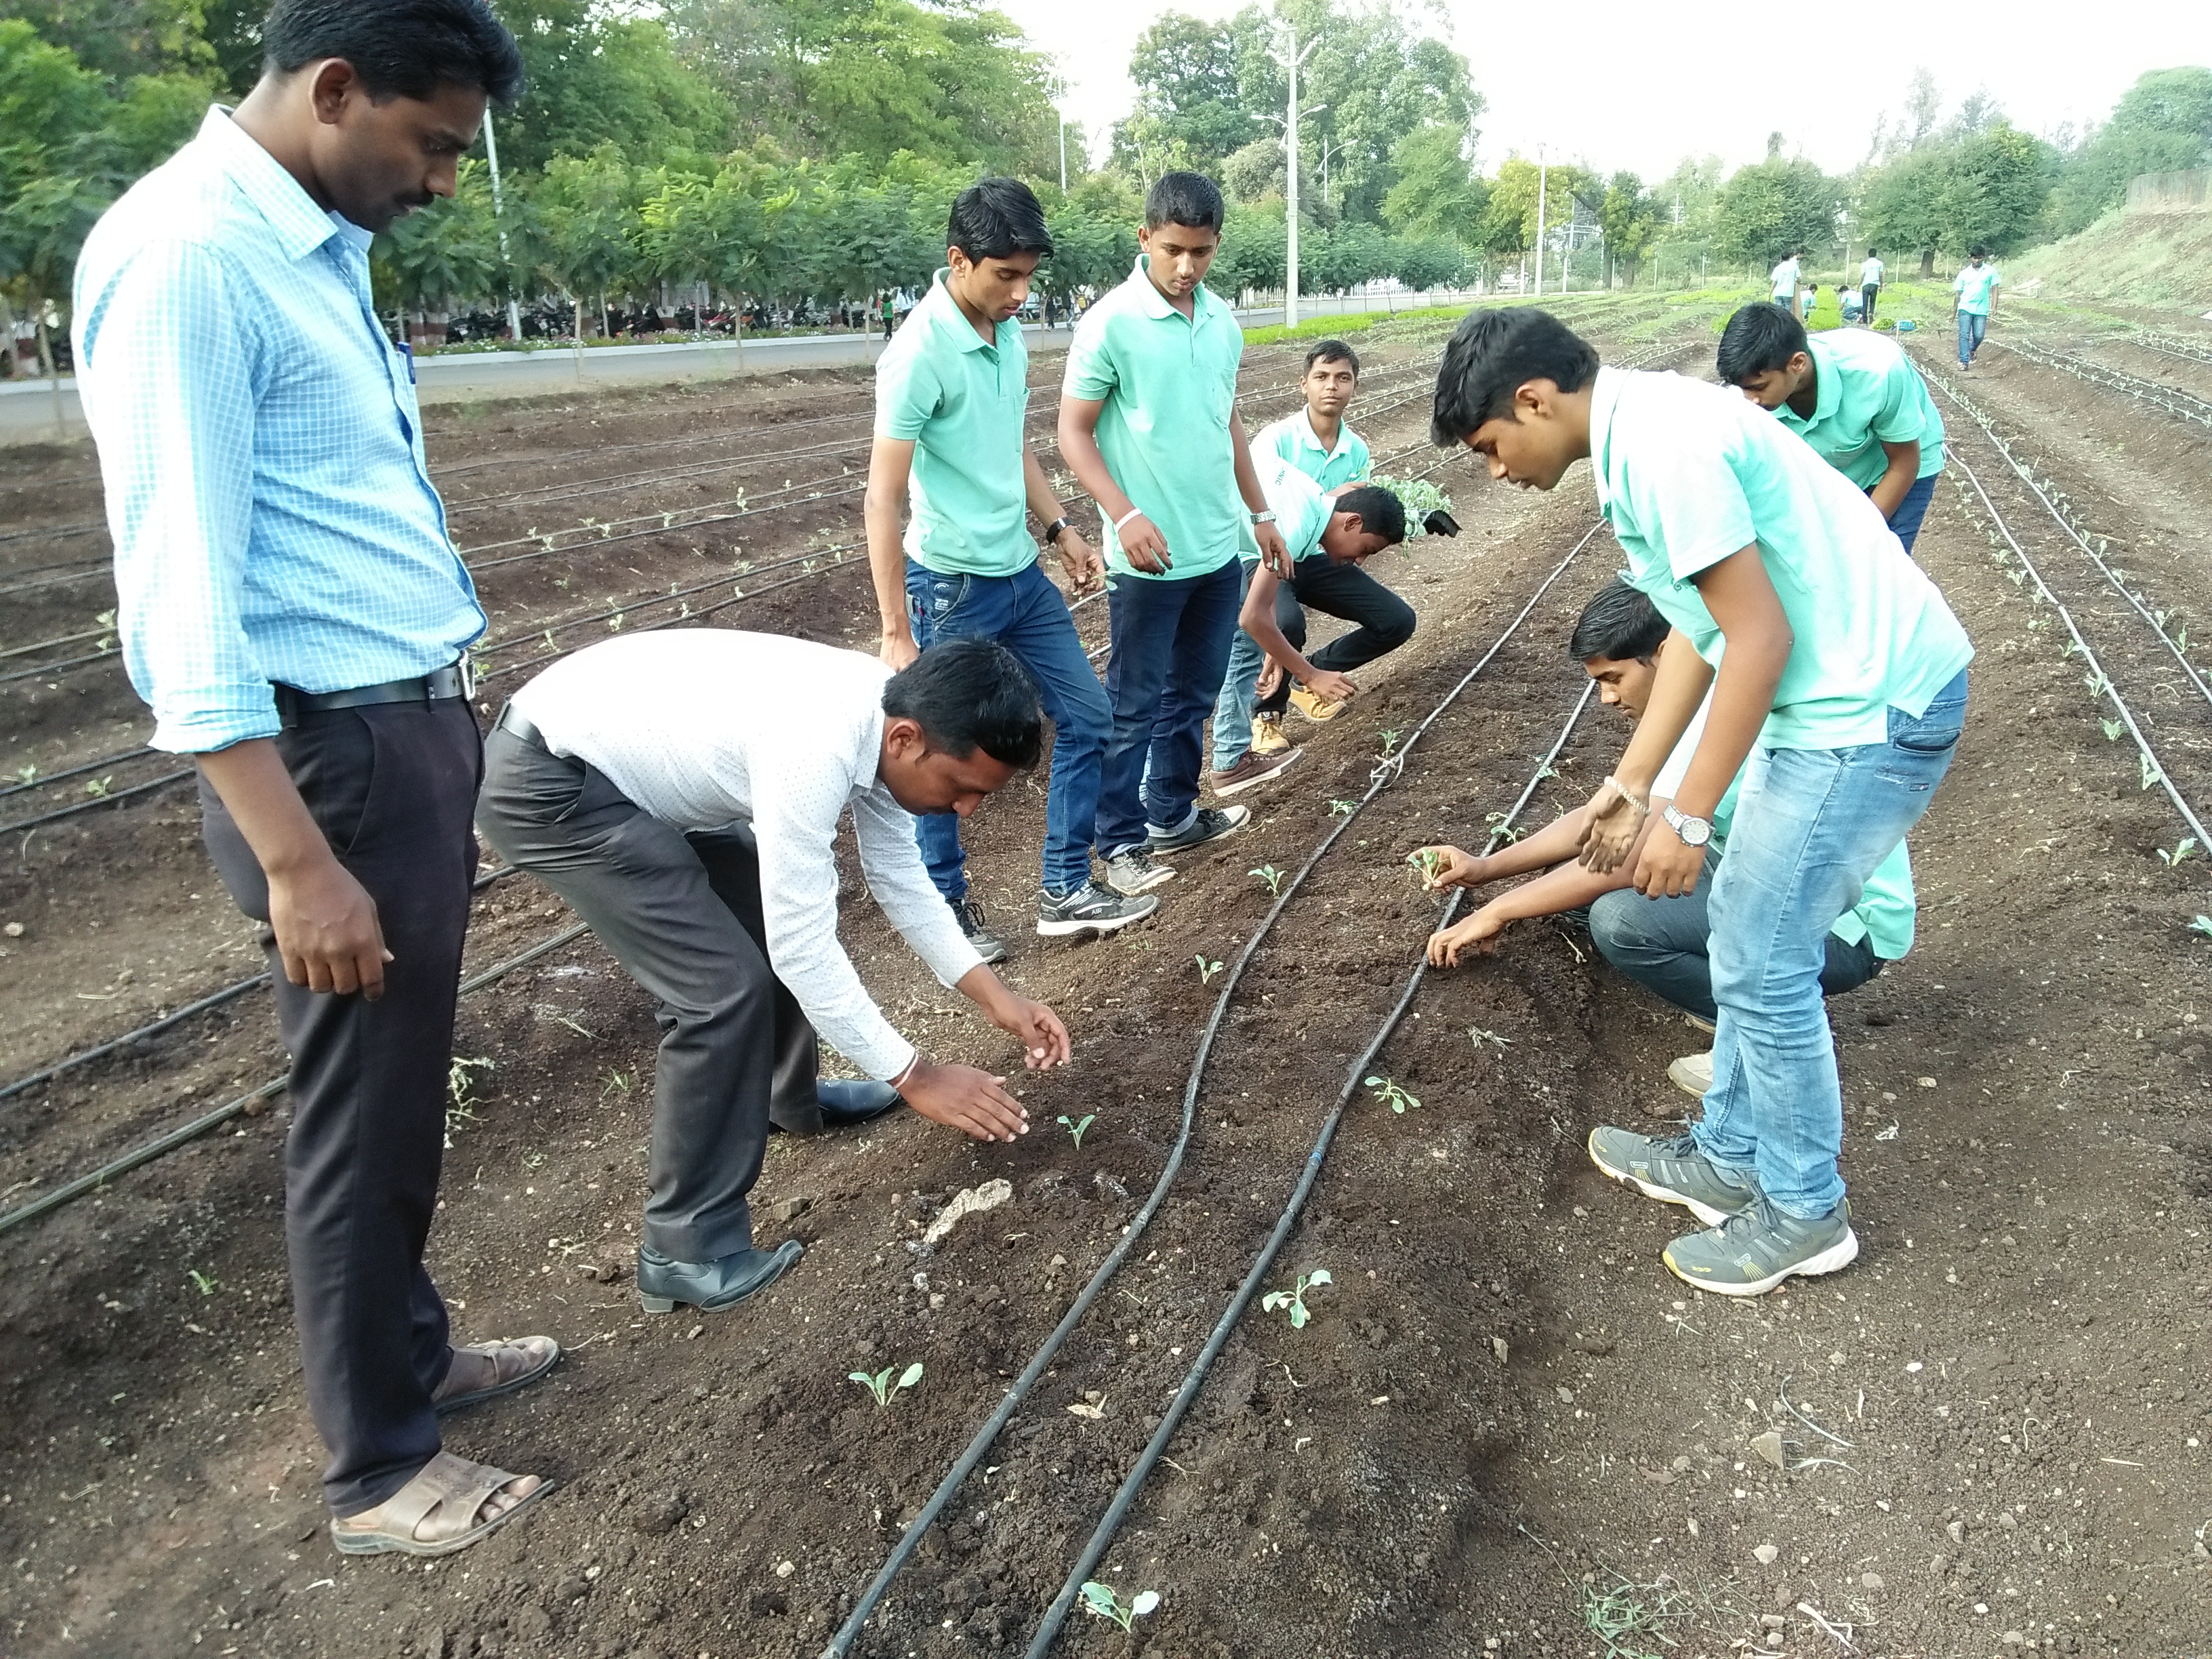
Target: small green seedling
{"type": "Point", "coordinates": [1207, 969]}
{"type": "Point", "coordinates": [26, 775]}
{"type": "Point", "coordinates": [2182, 850]}
{"type": "Point", "coordinates": [1272, 876]}
{"type": "Point", "coordinates": [616, 1082]}
{"type": "Point", "coordinates": [461, 1094]}
{"type": "Point", "coordinates": [1501, 825]}
{"type": "Point", "coordinates": [205, 1285]}
{"type": "Point", "coordinates": [1295, 1300]}
{"type": "Point", "coordinates": [1100, 1602]}
{"type": "Point", "coordinates": [2151, 775]}
{"type": "Point", "coordinates": [1076, 1126]}
{"type": "Point", "coordinates": [97, 787]}
{"type": "Point", "coordinates": [1389, 743]}
{"type": "Point", "coordinates": [1391, 1095]}
{"type": "Point", "coordinates": [2202, 925]}
{"type": "Point", "coordinates": [1338, 808]}
{"type": "Point", "coordinates": [881, 1385]}
{"type": "Point", "coordinates": [2113, 729]}
{"type": "Point", "coordinates": [1429, 860]}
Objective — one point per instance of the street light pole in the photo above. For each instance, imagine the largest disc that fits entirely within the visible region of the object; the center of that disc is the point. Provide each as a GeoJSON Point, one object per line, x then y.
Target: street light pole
{"type": "Point", "coordinates": [491, 154]}
{"type": "Point", "coordinates": [1291, 58]}
{"type": "Point", "coordinates": [1540, 177]}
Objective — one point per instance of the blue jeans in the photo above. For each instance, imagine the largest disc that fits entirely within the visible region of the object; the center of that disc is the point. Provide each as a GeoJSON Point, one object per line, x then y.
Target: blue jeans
{"type": "Point", "coordinates": [1240, 687]}
{"type": "Point", "coordinates": [1972, 325]}
{"type": "Point", "coordinates": [1810, 827]}
{"type": "Point", "coordinates": [1906, 520]}
{"type": "Point", "coordinates": [1382, 622]}
{"type": "Point", "coordinates": [1170, 650]}
{"type": "Point", "coordinates": [1026, 614]}
{"type": "Point", "coordinates": [1664, 944]}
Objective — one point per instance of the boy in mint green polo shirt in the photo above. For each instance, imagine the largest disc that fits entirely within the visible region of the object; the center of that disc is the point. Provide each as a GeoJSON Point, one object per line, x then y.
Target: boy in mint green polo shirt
{"type": "Point", "coordinates": [1973, 299]}
{"type": "Point", "coordinates": [1852, 395]}
{"type": "Point", "coordinates": [951, 395]}
{"type": "Point", "coordinates": [1841, 679]}
{"type": "Point", "coordinates": [1148, 425]}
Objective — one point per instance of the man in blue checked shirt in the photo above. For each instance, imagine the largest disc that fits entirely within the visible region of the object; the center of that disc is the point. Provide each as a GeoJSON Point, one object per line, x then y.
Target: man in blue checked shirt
{"type": "Point", "coordinates": [291, 607]}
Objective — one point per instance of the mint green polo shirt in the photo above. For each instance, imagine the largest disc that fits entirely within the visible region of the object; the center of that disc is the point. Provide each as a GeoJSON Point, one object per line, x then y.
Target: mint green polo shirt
{"type": "Point", "coordinates": [1302, 507]}
{"type": "Point", "coordinates": [1169, 384]}
{"type": "Point", "coordinates": [1973, 286]}
{"type": "Point", "coordinates": [961, 402]}
{"type": "Point", "coordinates": [1866, 393]}
{"type": "Point", "coordinates": [1292, 439]}
{"type": "Point", "coordinates": [1688, 473]}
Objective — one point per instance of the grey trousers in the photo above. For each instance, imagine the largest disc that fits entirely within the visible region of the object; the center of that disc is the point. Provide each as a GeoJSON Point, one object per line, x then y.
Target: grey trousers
{"type": "Point", "coordinates": [681, 913]}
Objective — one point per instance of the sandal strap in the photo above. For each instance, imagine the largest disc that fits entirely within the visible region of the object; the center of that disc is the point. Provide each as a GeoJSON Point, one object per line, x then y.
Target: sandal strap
{"type": "Point", "coordinates": [500, 1351]}
{"type": "Point", "coordinates": [452, 1488]}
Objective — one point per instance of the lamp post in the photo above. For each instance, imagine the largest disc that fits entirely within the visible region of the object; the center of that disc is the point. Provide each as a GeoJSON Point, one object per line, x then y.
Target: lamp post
{"type": "Point", "coordinates": [498, 213]}
{"type": "Point", "coordinates": [1290, 58]}
{"type": "Point", "coordinates": [1540, 221]}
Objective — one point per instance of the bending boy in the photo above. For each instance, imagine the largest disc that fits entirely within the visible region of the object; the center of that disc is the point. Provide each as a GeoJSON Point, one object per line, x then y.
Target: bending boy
{"type": "Point", "coordinates": [951, 395]}
{"type": "Point", "coordinates": [1852, 395]}
{"type": "Point", "coordinates": [1837, 657]}
{"type": "Point", "coordinates": [1148, 425]}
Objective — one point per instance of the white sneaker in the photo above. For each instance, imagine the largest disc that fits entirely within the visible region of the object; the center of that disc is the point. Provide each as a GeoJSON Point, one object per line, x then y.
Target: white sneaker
{"type": "Point", "coordinates": [1693, 1074]}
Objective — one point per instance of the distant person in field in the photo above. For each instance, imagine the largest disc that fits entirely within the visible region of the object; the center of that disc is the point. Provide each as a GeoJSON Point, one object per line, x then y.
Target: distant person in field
{"type": "Point", "coordinates": [682, 791]}
{"type": "Point", "coordinates": [1782, 281]}
{"type": "Point", "coordinates": [1664, 944]}
{"type": "Point", "coordinates": [1148, 425]}
{"type": "Point", "coordinates": [1841, 676]}
{"type": "Point", "coordinates": [1808, 299]}
{"type": "Point", "coordinates": [291, 605]}
{"type": "Point", "coordinates": [1973, 302]}
{"type": "Point", "coordinates": [951, 398]}
{"type": "Point", "coordinates": [1854, 396]}
{"type": "Point", "coordinates": [1319, 442]}
{"type": "Point", "coordinates": [1870, 270]}
{"type": "Point", "coordinates": [1331, 534]}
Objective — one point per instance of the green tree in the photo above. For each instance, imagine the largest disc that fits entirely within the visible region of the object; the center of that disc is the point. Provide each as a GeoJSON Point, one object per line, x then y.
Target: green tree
{"type": "Point", "coordinates": [445, 256]}
{"type": "Point", "coordinates": [588, 226]}
{"type": "Point", "coordinates": [1190, 104]}
{"type": "Point", "coordinates": [1437, 193]}
{"type": "Point", "coordinates": [2163, 124]}
{"type": "Point", "coordinates": [1630, 218]}
{"type": "Point", "coordinates": [596, 78]}
{"type": "Point", "coordinates": [1902, 207]}
{"type": "Point", "coordinates": [1427, 262]}
{"type": "Point", "coordinates": [1995, 191]}
{"type": "Point", "coordinates": [117, 39]}
{"type": "Point", "coordinates": [1766, 210]}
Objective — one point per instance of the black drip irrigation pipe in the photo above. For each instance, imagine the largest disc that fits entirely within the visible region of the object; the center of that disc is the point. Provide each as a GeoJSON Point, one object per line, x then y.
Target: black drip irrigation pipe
{"type": "Point", "coordinates": [841, 1645]}
{"type": "Point", "coordinates": [109, 799]}
{"type": "Point", "coordinates": [1102, 1538]}
{"type": "Point", "coordinates": [70, 1191]}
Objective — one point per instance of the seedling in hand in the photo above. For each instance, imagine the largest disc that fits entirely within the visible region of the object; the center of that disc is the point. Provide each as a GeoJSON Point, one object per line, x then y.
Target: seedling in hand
{"type": "Point", "coordinates": [881, 1385]}
{"type": "Point", "coordinates": [1429, 860]}
{"type": "Point", "coordinates": [1076, 1126]}
{"type": "Point", "coordinates": [1207, 969]}
{"type": "Point", "coordinates": [1295, 1300]}
{"type": "Point", "coordinates": [1101, 1602]}
{"type": "Point", "coordinates": [1272, 876]}
{"type": "Point", "coordinates": [1392, 1095]}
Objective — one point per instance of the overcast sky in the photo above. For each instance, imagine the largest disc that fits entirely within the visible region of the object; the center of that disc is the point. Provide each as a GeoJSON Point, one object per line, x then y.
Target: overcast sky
{"type": "Point", "coordinates": [1641, 85]}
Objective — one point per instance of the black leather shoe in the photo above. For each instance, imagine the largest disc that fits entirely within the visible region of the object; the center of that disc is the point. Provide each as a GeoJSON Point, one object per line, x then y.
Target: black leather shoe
{"type": "Point", "coordinates": [845, 1102]}
{"type": "Point", "coordinates": [710, 1286]}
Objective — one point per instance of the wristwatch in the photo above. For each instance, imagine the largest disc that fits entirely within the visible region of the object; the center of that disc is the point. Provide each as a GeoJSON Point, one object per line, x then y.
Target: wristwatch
{"type": "Point", "coordinates": [1263, 518]}
{"type": "Point", "coordinates": [1052, 530]}
{"type": "Point", "coordinates": [1693, 832]}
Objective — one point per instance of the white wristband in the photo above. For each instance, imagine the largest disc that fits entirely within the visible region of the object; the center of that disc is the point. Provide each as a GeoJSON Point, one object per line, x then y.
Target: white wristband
{"type": "Point", "coordinates": [1133, 512]}
{"type": "Point", "coordinates": [912, 1065]}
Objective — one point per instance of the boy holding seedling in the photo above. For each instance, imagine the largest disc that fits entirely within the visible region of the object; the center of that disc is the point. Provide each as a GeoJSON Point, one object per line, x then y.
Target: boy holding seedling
{"type": "Point", "coordinates": [1836, 658]}
{"type": "Point", "coordinates": [1664, 944]}
{"type": "Point", "coordinates": [951, 395]}
{"type": "Point", "coordinates": [1148, 425]}
{"type": "Point", "coordinates": [1331, 533]}
{"type": "Point", "coordinates": [1854, 396]}
{"type": "Point", "coordinates": [1973, 302]}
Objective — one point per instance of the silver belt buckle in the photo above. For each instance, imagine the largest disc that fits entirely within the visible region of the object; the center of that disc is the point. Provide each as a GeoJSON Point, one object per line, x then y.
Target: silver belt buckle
{"type": "Point", "coordinates": [468, 667]}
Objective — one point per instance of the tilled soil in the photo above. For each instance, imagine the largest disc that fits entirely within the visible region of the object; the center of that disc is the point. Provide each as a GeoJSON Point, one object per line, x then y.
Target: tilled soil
{"type": "Point", "coordinates": [1506, 1425]}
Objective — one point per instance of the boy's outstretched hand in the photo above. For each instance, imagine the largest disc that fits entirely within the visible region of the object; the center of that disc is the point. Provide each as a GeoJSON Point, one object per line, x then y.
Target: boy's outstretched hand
{"type": "Point", "coordinates": [1615, 818]}
{"type": "Point", "coordinates": [1478, 933]}
{"type": "Point", "coordinates": [1448, 867]}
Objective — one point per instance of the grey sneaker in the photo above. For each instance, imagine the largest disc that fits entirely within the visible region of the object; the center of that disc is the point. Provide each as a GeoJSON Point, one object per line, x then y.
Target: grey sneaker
{"type": "Point", "coordinates": [1207, 823]}
{"type": "Point", "coordinates": [988, 946]}
{"type": "Point", "coordinates": [1751, 1253]}
{"type": "Point", "coordinates": [1672, 1170]}
{"type": "Point", "coordinates": [1693, 1074]}
{"type": "Point", "coordinates": [1090, 908]}
{"type": "Point", "coordinates": [1132, 871]}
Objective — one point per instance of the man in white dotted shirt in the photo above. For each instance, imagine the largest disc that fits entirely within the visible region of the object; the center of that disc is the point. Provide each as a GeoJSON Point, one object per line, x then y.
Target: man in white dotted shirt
{"type": "Point", "coordinates": [639, 781]}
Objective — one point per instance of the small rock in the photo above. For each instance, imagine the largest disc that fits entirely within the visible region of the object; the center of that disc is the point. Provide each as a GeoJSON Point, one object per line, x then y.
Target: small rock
{"type": "Point", "coordinates": [1420, 1560]}
{"type": "Point", "coordinates": [785, 1569]}
{"type": "Point", "coordinates": [1775, 1638]}
{"type": "Point", "coordinates": [2007, 1521]}
{"type": "Point", "coordinates": [790, 1209]}
{"type": "Point", "coordinates": [1870, 1580]}
{"type": "Point", "coordinates": [14, 930]}
{"type": "Point", "coordinates": [1566, 1395]}
{"type": "Point", "coordinates": [1767, 1555]}
{"type": "Point", "coordinates": [1498, 1346]}
{"type": "Point", "coordinates": [1773, 1621]}
{"type": "Point", "coordinates": [657, 1515]}
{"type": "Point", "coordinates": [1958, 1531]}
{"type": "Point", "coordinates": [969, 1200]}
{"type": "Point", "coordinates": [1927, 1082]}
{"type": "Point", "coordinates": [1769, 1446]}
{"type": "Point", "coordinates": [575, 1588]}
{"type": "Point", "coordinates": [2013, 1638]}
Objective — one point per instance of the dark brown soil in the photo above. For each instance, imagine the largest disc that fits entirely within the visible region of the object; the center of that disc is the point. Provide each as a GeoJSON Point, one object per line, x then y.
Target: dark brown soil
{"type": "Point", "coordinates": [1506, 1424]}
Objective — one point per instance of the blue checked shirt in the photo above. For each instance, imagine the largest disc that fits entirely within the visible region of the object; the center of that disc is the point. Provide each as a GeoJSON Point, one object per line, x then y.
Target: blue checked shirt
{"type": "Point", "coordinates": [272, 513]}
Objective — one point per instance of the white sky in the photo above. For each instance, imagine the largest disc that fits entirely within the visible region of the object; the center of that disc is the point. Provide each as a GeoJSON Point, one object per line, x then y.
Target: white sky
{"type": "Point", "coordinates": [1641, 85]}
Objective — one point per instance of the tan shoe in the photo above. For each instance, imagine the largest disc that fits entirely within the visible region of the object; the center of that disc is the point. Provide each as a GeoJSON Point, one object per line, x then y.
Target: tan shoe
{"type": "Point", "coordinates": [1314, 708]}
{"type": "Point", "coordinates": [1693, 1074]}
{"type": "Point", "coordinates": [1268, 737]}
{"type": "Point", "coordinates": [483, 1370]}
{"type": "Point", "coordinates": [447, 1506]}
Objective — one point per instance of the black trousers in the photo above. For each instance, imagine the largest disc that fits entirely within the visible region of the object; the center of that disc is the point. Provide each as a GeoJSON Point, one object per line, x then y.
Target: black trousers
{"type": "Point", "coordinates": [681, 913]}
{"type": "Point", "coordinates": [1385, 620]}
{"type": "Point", "coordinates": [392, 787]}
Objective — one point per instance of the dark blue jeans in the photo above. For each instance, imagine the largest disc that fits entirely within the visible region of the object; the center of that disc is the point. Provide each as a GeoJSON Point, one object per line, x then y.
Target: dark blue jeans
{"type": "Point", "coordinates": [1170, 652]}
{"type": "Point", "coordinates": [1973, 326]}
{"type": "Point", "coordinates": [1906, 520]}
{"type": "Point", "coordinates": [1027, 615]}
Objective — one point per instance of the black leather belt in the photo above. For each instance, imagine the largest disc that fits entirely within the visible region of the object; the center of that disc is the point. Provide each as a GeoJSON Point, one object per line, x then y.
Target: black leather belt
{"type": "Point", "coordinates": [510, 722]}
{"type": "Point", "coordinates": [456, 679]}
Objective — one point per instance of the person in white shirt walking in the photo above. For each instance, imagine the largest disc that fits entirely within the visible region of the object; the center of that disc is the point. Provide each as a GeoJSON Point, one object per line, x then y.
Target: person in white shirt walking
{"type": "Point", "coordinates": [637, 780]}
{"type": "Point", "coordinates": [1870, 270]}
{"type": "Point", "coordinates": [1782, 281]}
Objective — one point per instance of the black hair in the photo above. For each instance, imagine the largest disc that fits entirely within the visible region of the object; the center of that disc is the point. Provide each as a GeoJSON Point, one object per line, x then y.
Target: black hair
{"type": "Point", "coordinates": [1183, 199]}
{"type": "Point", "coordinates": [1757, 338]}
{"type": "Point", "coordinates": [1618, 624]}
{"type": "Point", "coordinates": [1980, 251]}
{"type": "Point", "coordinates": [970, 694]}
{"type": "Point", "coordinates": [993, 217]}
{"type": "Point", "coordinates": [1381, 512]}
{"type": "Point", "coordinates": [399, 48]}
{"type": "Point", "coordinates": [1333, 351]}
{"type": "Point", "coordinates": [1491, 355]}
{"type": "Point", "coordinates": [1871, 254]}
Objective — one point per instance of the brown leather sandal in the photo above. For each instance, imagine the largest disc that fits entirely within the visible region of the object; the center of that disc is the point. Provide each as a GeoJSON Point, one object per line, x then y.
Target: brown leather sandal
{"type": "Point", "coordinates": [516, 1362]}
{"type": "Point", "coordinates": [445, 1497]}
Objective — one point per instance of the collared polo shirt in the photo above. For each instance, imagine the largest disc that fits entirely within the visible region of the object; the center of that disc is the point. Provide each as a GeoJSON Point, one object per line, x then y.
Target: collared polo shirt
{"type": "Point", "coordinates": [1783, 279]}
{"type": "Point", "coordinates": [1870, 272]}
{"type": "Point", "coordinates": [270, 506]}
{"type": "Point", "coordinates": [1973, 284]}
{"type": "Point", "coordinates": [1169, 384]}
{"type": "Point", "coordinates": [1292, 439]}
{"type": "Point", "coordinates": [1866, 393]}
{"type": "Point", "coordinates": [1300, 507]}
{"type": "Point", "coordinates": [1688, 474]}
{"type": "Point", "coordinates": [961, 402]}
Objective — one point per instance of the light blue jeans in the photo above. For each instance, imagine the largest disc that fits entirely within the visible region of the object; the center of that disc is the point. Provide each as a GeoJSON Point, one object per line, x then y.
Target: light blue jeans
{"type": "Point", "coordinates": [1810, 827]}
{"type": "Point", "coordinates": [1973, 326]}
{"type": "Point", "coordinates": [1240, 689]}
